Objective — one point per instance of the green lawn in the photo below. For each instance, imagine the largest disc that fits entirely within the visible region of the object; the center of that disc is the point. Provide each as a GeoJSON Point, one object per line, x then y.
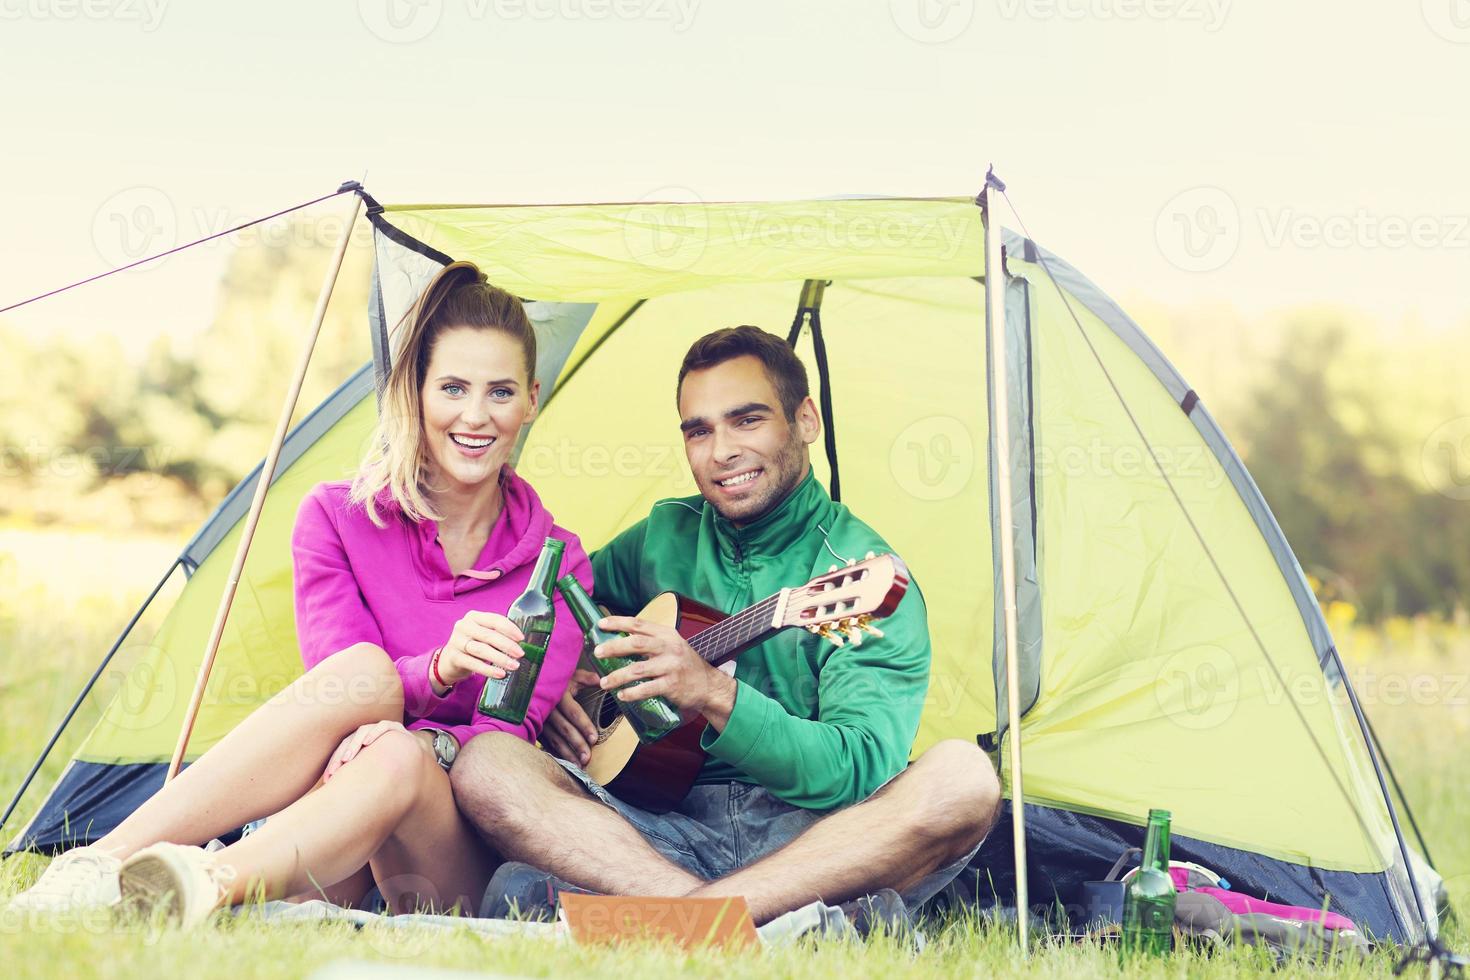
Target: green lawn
{"type": "Point", "coordinates": [49, 643]}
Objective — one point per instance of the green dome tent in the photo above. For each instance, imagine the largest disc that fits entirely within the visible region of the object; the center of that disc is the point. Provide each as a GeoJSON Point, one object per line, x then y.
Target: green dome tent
{"type": "Point", "coordinates": [1171, 653]}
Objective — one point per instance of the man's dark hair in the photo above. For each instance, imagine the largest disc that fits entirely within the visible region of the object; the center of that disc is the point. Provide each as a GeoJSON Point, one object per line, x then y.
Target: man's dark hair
{"type": "Point", "coordinates": [783, 367]}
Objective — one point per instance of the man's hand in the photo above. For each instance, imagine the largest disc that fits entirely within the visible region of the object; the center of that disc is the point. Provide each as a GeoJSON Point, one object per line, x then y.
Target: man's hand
{"type": "Point", "coordinates": [568, 733]}
{"type": "Point", "coordinates": [668, 666]}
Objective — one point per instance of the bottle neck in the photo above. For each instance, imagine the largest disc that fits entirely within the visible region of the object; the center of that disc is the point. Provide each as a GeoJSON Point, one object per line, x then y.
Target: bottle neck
{"type": "Point", "coordinates": [584, 610]}
{"type": "Point", "coordinates": [547, 565]}
{"type": "Point", "coordinates": [1156, 846]}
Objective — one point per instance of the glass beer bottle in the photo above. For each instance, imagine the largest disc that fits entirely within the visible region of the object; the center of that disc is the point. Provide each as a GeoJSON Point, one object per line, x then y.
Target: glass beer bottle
{"type": "Point", "coordinates": [651, 718]}
{"type": "Point", "coordinates": [507, 698]}
{"type": "Point", "coordinates": [1149, 899]}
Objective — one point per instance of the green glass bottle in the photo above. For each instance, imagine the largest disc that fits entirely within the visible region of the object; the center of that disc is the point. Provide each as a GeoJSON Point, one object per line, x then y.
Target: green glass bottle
{"type": "Point", "coordinates": [651, 718]}
{"type": "Point", "coordinates": [507, 698]}
{"type": "Point", "coordinates": [1149, 899]}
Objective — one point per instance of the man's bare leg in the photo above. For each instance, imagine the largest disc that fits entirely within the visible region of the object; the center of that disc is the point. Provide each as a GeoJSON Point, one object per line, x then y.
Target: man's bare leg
{"type": "Point", "coordinates": [931, 815]}
{"type": "Point", "coordinates": [272, 758]}
{"type": "Point", "coordinates": [529, 809]}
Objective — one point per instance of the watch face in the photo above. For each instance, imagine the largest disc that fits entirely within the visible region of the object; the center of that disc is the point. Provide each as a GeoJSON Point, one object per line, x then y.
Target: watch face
{"type": "Point", "coordinates": [445, 748]}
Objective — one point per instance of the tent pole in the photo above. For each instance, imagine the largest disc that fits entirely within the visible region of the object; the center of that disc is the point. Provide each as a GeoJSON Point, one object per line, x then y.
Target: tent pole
{"type": "Point", "coordinates": [262, 485]}
{"type": "Point", "coordinates": [995, 321]}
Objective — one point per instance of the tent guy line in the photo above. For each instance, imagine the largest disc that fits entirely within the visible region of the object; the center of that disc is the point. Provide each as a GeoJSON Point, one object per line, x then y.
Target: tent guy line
{"type": "Point", "coordinates": [349, 186]}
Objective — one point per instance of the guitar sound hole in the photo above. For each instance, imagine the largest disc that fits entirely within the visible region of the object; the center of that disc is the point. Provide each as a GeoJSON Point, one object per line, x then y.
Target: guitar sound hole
{"type": "Point", "coordinates": [607, 711]}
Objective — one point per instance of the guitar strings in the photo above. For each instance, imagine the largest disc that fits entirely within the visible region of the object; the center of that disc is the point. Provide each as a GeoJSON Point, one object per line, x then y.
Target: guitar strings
{"type": "Point", "coordinates": [740, 628]}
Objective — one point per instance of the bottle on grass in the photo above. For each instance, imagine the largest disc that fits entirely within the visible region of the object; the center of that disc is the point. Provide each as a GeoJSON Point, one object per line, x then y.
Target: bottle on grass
{"type": "Point", "coordinates": [1149, 899]}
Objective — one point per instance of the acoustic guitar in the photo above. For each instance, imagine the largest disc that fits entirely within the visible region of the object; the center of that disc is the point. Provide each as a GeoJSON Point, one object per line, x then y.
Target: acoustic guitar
{"type": "Point", "coordinates": [839, 605]}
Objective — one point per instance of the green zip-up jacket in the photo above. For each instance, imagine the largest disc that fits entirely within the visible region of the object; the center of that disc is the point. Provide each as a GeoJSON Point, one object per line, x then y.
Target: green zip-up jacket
{"type": "Point", "coordinates": [817, 725]}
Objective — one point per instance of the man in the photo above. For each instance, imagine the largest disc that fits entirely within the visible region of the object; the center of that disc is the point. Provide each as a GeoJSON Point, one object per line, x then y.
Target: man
{"type": "Point", "coordinates": [805, 794]}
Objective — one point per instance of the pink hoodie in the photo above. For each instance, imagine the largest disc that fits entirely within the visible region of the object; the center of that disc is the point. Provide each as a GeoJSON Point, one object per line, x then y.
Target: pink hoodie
{"type": "Point", "coordinates": [356, 583]}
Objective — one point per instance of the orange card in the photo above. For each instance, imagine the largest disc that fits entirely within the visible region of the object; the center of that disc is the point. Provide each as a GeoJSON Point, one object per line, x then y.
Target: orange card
{"type": "Point", "coordinates": [690, 922]}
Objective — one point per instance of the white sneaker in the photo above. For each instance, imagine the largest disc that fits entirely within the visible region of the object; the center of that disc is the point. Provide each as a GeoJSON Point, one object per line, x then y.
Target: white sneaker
{"type": "Point", "coordinates": [186, 882]}
{"type": "Point", "coordinates": [82, 878]}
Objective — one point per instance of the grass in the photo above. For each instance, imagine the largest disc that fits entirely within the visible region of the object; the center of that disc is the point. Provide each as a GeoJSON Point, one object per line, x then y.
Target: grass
{"type": "Point", "coordinates": [51, 637]}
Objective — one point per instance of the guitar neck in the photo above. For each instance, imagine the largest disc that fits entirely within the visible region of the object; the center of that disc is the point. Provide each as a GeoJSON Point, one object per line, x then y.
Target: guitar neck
{"type": "Point", "coordinates": [731, 637]}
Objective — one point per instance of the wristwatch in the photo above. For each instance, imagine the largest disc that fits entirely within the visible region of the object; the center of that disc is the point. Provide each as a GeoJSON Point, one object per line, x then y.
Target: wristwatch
{"type": "Point", "coordinates": [446, 747]}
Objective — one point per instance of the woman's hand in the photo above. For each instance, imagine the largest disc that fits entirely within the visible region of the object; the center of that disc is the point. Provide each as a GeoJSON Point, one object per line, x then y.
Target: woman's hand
{"type": "Point", "coordinates": [482, 643]}
{"type": "Point", "coordinates": [356, 742]}
{"type": "Point", "coordinates": [568, 732]}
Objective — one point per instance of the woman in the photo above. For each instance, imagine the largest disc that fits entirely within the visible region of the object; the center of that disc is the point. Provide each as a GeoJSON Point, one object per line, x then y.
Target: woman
{"type": "Point", "coordinates": [401, 577]}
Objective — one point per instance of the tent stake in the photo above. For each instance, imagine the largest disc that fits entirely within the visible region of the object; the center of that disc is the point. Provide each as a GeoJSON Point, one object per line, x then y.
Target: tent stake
{"type": "Point", "coordinates": [262, 485]}
{"type": "Point", "coordinates": [995, 323]}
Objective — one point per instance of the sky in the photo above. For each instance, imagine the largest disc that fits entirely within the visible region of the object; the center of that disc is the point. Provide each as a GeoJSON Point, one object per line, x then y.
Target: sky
{"type": "Point", "coordinates": [1256, 153]}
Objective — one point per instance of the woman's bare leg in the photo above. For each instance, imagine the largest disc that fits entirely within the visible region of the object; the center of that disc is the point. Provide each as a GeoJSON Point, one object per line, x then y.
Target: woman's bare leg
{"type": "Point", "coordinates": [348, 893]}
{"type": "Point", "coordinates": [391, 806]}
{"type": "Point", "coordinates": [272, 758]}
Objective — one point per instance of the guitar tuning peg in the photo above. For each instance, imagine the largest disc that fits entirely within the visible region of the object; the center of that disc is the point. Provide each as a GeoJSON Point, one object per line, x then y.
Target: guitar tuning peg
{"type": "Point", "coordinates": [853, 631]}
{"type": "Point", "coordinates": [865, 623]}
{"type": "Point", "coordinates": [868, 556]}
{"type": "Point", "coordinates": [851, 562]}
{"type": "Point", "coordinates": [831, 568]}
{"type": "Point", "coordinates": [826, 632]}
